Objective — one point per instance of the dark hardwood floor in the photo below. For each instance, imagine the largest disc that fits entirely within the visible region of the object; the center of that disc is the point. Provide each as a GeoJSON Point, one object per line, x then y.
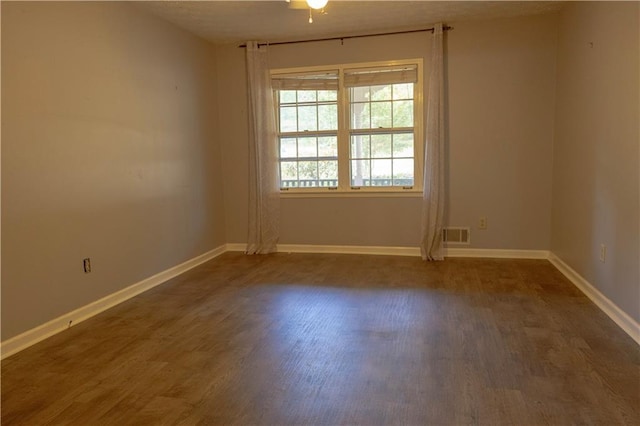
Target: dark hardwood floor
{"type": "Point", "coordinates": [337, 339]}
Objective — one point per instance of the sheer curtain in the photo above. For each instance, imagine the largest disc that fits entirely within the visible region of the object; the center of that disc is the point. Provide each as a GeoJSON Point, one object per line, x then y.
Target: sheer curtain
{"type": "Point", "coordinates": [433, 195]}
{"type": "Point", "coordinates": [264, 191]}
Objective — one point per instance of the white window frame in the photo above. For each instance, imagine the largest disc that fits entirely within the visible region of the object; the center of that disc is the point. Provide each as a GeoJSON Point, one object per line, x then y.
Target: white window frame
{"type": "Point", "coordinates": [344, 182]}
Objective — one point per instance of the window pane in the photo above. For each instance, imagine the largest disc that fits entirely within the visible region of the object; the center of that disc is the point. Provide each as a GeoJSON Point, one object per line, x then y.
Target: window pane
{"type": "Point", "coordinates": [359, 94]}
{"type": "Point", "coordinates": [288, 174]}
{"type": "Point", "coordinates": [328, 146]}
{"type": "Point", "coordinates": [287, 96]}
{"type": "Point", "coordinates": [306, 96]}
{"type": "Point", "coordinates": [360, 116]}
{"type": "Point", "coordinates": [328, 117]}
{"type": "Point", "coordinates": [402, 113]}
{"type": "Point", "coordinates": [403, 91]}
{"type": "Point", "coordinates": [381, 93]}
{"type": "Point", "coordinates": [403, 172]}
{"type": "Point", "coordinates": [360, 146]}
{"type": "Point", "coordinates": [360, 173]}
{"type": "Point", "coordinates": [381, 146]}
{"type": "Point", "coordinates": [328, 173]}
{"type": "Point", "coordinates": [381, 172]}
{"type": "Point", "coordinates": [380, 114]}
{"type": "Point", "coordinates": [403, 145]}
{"type": "Point", "coordinates": [307, 147]}
{"type": "Point", "coordinates": [288, 119]}
{"type": "Point", "coordinates": [308, 119]}
{"type": "Point", "coordinates": [327, 95]}
{"type": "Point", "coordinates": [288, 148]}
{"type": "Point", "coordinates": [308, 173]}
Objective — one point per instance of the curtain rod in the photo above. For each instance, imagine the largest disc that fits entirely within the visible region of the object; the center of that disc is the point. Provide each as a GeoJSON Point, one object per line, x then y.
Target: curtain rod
{"type": "Point", "coordinates": [444, 28]}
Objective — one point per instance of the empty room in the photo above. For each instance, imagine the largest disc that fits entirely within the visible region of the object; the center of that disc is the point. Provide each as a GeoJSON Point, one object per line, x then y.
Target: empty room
{"type": "Point", "coordinates": [320, 212]}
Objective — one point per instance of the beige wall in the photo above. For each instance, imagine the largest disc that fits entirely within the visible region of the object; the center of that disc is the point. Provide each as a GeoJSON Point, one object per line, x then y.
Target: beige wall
{"type": "Point", "coordinates": [596, 181]}
{"type": "Point", "coordinates": [109, 151]}
{"type": "Point", "coordinates": [501, 92]}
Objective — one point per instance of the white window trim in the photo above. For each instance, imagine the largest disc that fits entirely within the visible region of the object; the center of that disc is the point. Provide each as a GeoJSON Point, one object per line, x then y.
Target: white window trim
{"type": "Point", "coordinates": [344, 189]}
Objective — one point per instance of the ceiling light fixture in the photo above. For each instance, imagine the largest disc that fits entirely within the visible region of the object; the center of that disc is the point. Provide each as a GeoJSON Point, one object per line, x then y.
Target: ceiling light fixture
{"type": "Point", "coordinates": [317, 4]}
{"type": "Point", "coordinates": [312, 5]}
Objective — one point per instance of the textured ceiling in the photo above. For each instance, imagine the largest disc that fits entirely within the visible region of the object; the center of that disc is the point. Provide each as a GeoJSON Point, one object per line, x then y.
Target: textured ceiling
{"type": "Point", "coordinates": [237, 21]}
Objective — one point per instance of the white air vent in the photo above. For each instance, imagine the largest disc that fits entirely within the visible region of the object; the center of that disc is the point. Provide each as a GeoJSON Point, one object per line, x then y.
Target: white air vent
{"type": "Point", "coordinates": [456, 235]}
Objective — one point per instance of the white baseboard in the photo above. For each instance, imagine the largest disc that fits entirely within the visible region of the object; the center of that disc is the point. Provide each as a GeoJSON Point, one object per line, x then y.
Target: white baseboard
{"type": "Point", "coordinates": [372, 250]}
{"type": "Point", "coordinates": [35, 335]}
{"type": "Point", "coordinates": [235, 247]}
{"type": "Point", "coordinates": [496, 253]}
{"type": "Point", "coordinates": [624, 321]}
{"type": "Point", "coordinates": [401, 251]}
{"type": "Point", "coordinates": [334, 249]}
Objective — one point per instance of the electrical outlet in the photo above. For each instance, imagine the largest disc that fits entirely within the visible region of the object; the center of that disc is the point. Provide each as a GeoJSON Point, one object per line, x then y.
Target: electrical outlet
{"type": "Point", "coordinates": [86, 263]}
{"type": "Point", "coordinates": [603, 253]}
{"type": "Point", "coordinates": [482, 223]}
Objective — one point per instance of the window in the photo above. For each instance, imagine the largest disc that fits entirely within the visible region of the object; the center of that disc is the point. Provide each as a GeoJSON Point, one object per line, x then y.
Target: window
{"type": "Point", "coordinates": [308, 129]}
{"type": "Point", "coordinates": [350, 128]}
{"type": "Point", "coordinates": [381, 130]}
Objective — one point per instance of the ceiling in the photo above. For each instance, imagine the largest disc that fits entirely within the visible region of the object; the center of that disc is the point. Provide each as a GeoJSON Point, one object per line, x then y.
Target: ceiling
{"type": "Point", "coordinates": [238, 21]}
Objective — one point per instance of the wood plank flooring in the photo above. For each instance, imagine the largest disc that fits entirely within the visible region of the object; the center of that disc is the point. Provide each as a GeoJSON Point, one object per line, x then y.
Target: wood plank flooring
{"type": "Point", "coordinates": [336, 339]}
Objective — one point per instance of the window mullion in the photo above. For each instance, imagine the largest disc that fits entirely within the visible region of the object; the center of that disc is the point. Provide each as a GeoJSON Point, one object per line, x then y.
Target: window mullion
{"type": "Point", "coordinates": [343, 134]}
{"type": "Point", "coordinates": [382, 130]}
{"type": "Point", "coordinates": [309, 134]}
{"type": "Point", "coordinates": [418, 135]}
{"type": "Point", "coordinates": [317, 107]}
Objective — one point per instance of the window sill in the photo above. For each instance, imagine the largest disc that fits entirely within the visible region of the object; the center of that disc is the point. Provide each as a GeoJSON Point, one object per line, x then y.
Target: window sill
{"type": "Point", "coordinates": [312, 193]}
